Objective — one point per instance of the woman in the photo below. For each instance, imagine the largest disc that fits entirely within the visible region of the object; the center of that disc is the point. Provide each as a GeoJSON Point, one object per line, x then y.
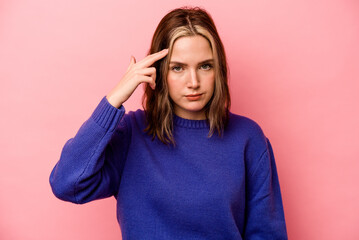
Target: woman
{"type": "Point", "coordinates": [185, 167]}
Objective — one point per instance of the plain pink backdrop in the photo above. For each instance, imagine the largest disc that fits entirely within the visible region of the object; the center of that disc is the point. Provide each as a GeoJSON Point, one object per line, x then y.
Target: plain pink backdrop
{"type": "Point", "coordinates": [294, 69]}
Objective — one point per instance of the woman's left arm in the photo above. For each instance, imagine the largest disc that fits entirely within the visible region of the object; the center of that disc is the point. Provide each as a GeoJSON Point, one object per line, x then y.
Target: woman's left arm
{"type": "Point", "coordinates": [264, 207]}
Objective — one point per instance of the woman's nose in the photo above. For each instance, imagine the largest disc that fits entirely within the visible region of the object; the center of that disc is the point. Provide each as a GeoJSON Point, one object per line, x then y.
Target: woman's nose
{"type": "Point", "coordinates": [193, 82]}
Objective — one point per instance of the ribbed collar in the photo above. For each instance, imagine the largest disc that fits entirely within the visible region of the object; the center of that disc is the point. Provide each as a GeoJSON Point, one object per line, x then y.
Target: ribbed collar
{"type": "Point", "coordinates": [187, 123]}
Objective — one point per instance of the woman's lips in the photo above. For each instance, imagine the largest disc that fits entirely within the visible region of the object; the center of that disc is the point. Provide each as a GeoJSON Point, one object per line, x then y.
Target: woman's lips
{"type": "Point", "coordinates": [194, 97]}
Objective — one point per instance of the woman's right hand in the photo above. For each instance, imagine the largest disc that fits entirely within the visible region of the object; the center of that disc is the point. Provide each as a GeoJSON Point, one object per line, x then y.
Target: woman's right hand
{"type": "Point", "coordinates": [136, 73]}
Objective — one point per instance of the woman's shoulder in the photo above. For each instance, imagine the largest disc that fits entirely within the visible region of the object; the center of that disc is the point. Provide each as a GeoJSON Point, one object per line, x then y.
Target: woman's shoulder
{"type": "Point", "coordinates": [246, 130]}
{"type": "Point", "coordinates": [135, 118]}
{"type": "Point", "coordinates": [244, 124]}
{"type": "Point", "coordinates": [138, 114]}
{"type": "Point", "coordinates": [248, 134]}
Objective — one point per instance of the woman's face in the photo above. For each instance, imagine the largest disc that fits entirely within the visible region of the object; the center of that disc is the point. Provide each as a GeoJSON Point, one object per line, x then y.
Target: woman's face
{"type": "Point", "coordinates": [190, 77]}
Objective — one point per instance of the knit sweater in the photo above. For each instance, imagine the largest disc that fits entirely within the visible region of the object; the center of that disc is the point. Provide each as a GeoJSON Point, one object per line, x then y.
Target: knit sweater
{"type": "Point", "coordinates": [219, 187]}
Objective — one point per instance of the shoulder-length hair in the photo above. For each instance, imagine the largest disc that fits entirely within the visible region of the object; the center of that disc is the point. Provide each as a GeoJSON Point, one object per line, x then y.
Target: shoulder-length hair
{"type": "Point", "coordinates": [158, 106]}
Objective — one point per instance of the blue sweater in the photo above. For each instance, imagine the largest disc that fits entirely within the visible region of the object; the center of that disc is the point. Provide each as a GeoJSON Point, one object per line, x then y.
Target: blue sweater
{"type": "Point", "coordinates": [203, 188]}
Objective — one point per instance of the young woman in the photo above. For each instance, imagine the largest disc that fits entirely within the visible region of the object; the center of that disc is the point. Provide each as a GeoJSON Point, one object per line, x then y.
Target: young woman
{"type": "Point", "coordinates": [185, 167]}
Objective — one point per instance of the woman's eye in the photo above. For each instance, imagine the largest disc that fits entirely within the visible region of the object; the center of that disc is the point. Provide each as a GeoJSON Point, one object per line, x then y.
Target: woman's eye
{"type": "Point", "coordinates": [176, 68]}
{"type": "Point", "coordinates": [206, 66]}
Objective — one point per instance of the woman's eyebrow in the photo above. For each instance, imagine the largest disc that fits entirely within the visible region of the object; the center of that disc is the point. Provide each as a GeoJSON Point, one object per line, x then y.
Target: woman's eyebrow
{"type": "Point", "coordinates": [207, 61]}
{"type": "Point", "coordinates": [184, 64]}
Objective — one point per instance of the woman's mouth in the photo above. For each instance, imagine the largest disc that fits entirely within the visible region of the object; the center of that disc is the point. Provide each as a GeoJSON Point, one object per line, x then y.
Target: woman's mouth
{"type": "Point", "coordinates": [194, 97]}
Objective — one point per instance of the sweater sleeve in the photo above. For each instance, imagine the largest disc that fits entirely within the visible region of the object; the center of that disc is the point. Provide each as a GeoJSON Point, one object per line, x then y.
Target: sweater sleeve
{"type": "Point", "coordinates": [264, 208]}
{"type": "Point", "coordinates": [90, 164]}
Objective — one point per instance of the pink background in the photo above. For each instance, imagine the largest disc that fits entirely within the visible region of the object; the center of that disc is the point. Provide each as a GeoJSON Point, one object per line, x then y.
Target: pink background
{"type": "Point", "coordinates": [294, 69]}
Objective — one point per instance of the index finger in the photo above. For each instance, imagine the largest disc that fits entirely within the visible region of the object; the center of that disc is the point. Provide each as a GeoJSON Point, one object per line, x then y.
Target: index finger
{"type": "Point", "coordinates": [150, 59]}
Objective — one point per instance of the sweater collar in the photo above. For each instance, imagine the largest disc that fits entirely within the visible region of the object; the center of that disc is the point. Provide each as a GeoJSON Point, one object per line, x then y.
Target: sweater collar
{"type": "Point", "coordinates": [188, 123]}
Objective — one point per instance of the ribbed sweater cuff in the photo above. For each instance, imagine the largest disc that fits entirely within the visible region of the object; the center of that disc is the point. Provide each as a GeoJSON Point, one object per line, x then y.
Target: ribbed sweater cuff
{"type": "Point", "coordinates": [106, 115]}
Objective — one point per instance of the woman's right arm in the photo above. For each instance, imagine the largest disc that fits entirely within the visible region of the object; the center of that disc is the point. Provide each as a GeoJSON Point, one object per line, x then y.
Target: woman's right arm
{"type": "Point", "coordinates": [91, 163]}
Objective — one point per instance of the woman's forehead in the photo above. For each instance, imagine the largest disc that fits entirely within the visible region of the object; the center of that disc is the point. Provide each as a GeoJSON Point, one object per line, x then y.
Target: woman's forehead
{"type": "Point", "coordinates": [191, 49]}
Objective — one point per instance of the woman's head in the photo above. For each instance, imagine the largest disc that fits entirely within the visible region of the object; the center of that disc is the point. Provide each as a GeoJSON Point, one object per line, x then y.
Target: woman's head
{"type": "Point", "coordinates": [189, 25]}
